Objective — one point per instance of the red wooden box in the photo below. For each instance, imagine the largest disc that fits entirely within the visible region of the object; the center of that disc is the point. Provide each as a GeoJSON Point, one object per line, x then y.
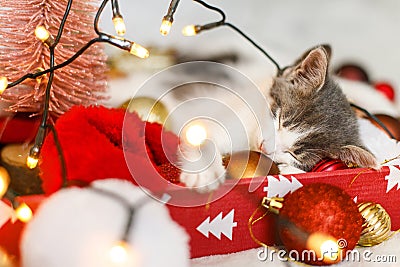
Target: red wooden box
{"type": "Point", "coordinates": [222, 226]}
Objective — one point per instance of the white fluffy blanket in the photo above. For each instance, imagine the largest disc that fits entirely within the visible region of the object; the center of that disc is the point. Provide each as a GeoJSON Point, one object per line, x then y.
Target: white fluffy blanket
{"type": "Point", "coordinates": [385, 254]}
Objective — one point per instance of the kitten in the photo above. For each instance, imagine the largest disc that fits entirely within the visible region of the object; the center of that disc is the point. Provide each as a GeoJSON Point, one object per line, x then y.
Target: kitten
{"type": "Point", "coordinates": [312, 118]}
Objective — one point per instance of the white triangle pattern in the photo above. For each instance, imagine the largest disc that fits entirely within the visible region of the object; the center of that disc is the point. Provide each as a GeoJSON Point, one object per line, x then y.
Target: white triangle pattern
{"type": "Point", "coordinates": [219, 225]}
{"type": "Point", "coordinates": [393, 178]}
{"type": "Point", "coordinates": [281, 187]}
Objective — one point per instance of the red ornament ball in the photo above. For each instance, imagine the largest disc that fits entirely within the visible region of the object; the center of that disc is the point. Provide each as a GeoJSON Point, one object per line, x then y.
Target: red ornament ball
{"type": "Point", "coordinates": [327, 165]}
{"type": "Point", "coordinates": [386, 89]}
{"type": "Point", "coordinates": [315, 215]}
{"type": "Point", "coordinates": [352, 71]}
{"type": "Point", "coordinates": [170, 172]}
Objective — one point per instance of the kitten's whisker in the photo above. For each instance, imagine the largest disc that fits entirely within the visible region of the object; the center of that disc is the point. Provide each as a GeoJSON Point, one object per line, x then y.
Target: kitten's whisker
{"type": "Point", "coordinates": [292, 154]}
{"type": "Point", "coordinates": [280, 120]}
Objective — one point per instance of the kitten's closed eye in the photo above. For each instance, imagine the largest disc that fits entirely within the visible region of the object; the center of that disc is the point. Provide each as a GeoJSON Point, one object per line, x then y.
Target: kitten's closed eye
{"type": "Point", "coordinates": [297, 151]}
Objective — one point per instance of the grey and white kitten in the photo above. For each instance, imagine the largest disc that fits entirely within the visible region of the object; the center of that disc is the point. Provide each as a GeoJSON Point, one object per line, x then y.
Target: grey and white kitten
{"type": "Point", "coordinates": [312, 116]}
{"type": "Point", "coordinates": [312, 119]}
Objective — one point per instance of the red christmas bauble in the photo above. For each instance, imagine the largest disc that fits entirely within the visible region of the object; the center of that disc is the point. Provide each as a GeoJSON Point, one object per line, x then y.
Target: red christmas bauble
{"type": "Point", "coordinates": [385, 89]}
{"type": "Point", "coordinates": [353, 72]}
{"type": "Point", "coordinates": [316, 216]}
{"type": "Point", "coordinates": [170, 172]}
{"type": "Point", "coordinates": [327, 165]}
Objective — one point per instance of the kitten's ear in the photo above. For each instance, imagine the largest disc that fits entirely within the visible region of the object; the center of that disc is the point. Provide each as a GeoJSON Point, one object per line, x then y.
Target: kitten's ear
{"type": "Point", "coordinates": [312, 69]}
{"type": "Point", "coordinates": [326, 47]}
{"type": "Point", "coordinates": [328, 50]}
{"type": "Point", "coordinates": [354, 155]}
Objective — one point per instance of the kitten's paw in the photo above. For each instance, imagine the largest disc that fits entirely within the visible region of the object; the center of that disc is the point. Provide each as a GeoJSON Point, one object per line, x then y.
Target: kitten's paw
{"type": "Point", "coordinates": [288, 169]}
{"type": "Point", "coordinates": [358, 156]}
{"type": "Point", "coordinates": [204, 181]}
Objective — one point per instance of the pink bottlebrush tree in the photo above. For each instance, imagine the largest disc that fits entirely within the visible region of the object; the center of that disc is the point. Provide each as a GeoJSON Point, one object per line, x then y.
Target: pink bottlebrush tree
{"type": "Point", "coordinates": [83, 82]}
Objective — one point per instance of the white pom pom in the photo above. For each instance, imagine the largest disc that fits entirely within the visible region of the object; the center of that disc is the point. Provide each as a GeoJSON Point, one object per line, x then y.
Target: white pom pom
{"type": "Point", "coordinates": [78, 227]}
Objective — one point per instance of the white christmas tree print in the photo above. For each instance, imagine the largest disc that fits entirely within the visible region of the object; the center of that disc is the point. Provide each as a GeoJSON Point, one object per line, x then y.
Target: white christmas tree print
{"type": "Point", "coordinates": [281, 187]}
{"type": "Point", "coordinates": [393, 178]}
{"type": "Point", "coordinates": [219, 225]}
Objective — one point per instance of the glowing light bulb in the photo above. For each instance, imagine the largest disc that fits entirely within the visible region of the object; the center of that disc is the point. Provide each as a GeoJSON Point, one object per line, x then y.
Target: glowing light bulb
{"type": "Point", "coordinates": [190, 30]}
{"type": "Point", "coordinates": [330, 249]}
{"type": "Point", "coordinates": [39, 78]}
{"type": "Point", "coordinates": [325, 247]}
{"type": "Point", "coordinates": [32, 162]}
{"type": "Point", "coordinates": [23, 213]}
{"type": "Point", "coordinates": [42, 33]}
{"type": "Point", "coordinates": [139, 51]}
{"type": "Point", "coordinates": [165, 27]}
{"type": "Point", "coordinates": [4, 181]}
{"type": "Point", "coordinates": [3, 84]}
{"type": "Point", "coordinates": [196, 134]}
{"type": "Point", "coordinates": [119, 25]}
{"type": "Point", "coordinates": [119, 253]}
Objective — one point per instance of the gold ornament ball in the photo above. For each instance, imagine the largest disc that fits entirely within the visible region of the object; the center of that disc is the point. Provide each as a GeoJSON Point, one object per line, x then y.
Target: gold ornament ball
{"type": "Point", "coordinates": [5, 259]}
{"type": "Point", "coordinates": [4, 181]}
{"type": "Point", "coordinates": [148, 109]}
{"type": "Point", "coordinates": [249, 164]}
{"type": "Point", "coordinates": [377, 225]}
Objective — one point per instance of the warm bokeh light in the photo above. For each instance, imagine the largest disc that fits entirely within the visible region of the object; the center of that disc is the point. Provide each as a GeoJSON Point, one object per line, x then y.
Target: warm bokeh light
{"type": "Point", "coordinates": [6, 260]}
{"type": "Point", "coordinates": [119, 26]}
{"type": "Point", "coordinates": [3, 84]}
{"type": "Point", "coordinates": [189, 30]}
{"type": "Point", "coordinates": [325, 247]}
{"type": "Point", "coordinates": [4, 181]}
{"type": "Point", "coordinates": [23, 213]}
{"type": "Point", "coordinates": [165, 27]}
{"type": "Point", "coordinates": [42, 33]}
{"type": "Point", "coordinates": [139, 51]}
{"type": "Point", "coordinates": [196, 134]}
{"type": "Point", "coordinates": [119, 253]}
{"type": "Point", "coordinates": [32, 162]}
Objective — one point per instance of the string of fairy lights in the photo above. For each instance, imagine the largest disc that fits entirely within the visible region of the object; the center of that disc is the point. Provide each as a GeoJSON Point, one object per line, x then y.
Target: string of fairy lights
{"type": "Point", "coordinates": [192, 30]}
{"type": "Point", "coordinates": [44, 36]}
{"type": "Point", "coordinates": [118, 253]}
{"type": "Point", "coordinates": [51, 42]}
{"type": "Point", "coordinates": [22, 210]}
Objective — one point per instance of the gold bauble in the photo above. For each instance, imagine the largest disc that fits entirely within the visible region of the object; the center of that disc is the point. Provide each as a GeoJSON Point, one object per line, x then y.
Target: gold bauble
{"type": "Point", "coordinates": [249, 164]}
{"type": "Point", "coordinates": [4, 181]}
{"type": "Point", "coordinates": [148, 109]}
{"type": "Point", "coordinates": [5, 259]}
{"type": "Point", "coordinates": [377, 225]}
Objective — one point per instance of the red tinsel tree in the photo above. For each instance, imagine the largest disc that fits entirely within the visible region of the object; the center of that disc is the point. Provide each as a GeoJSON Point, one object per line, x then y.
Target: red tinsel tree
{"type": "Point", "coordinates": [80, 83]}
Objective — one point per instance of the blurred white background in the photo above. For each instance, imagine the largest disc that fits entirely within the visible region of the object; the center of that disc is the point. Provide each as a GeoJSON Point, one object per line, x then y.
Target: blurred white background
{"type": "Point", "coordinates": [362, 31]}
